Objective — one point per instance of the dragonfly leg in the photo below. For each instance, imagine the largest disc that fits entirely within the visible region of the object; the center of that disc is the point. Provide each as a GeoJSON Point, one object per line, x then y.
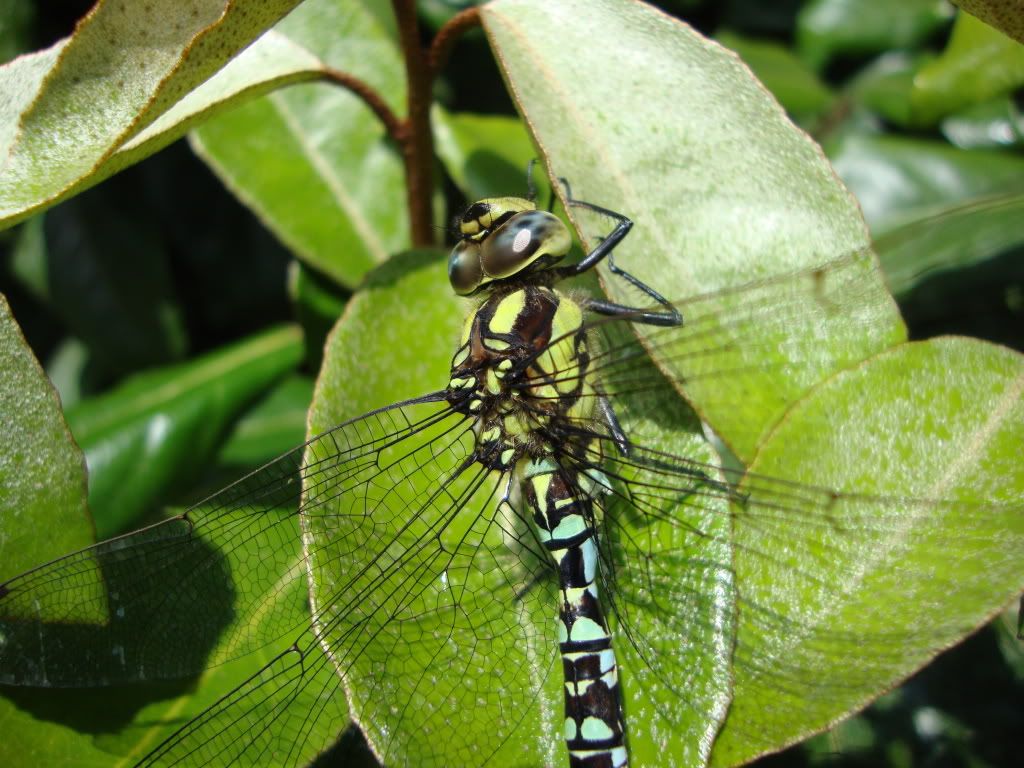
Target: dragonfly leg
{"type": "Point", "coordinates": [607, 413]}
{"type": "Point", "coordinates": [531, 187]}
{"type": "Point", "coordinates": [668, 316]}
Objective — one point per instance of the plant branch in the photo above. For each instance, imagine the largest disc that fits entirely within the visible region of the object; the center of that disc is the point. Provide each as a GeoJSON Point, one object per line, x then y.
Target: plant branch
{"type": "Point", "coordinates": [415, 139]}
{"type": "Point", "coordinates": [448, 35]}
{"type": "Point", "coordinates": [392, 124]}
{"type": "Point", "coordinates": [413, 135]}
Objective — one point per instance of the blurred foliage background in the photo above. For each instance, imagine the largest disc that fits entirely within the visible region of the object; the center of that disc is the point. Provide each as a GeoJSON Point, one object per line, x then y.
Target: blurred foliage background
{"type": "Point", "coordinates": [153, 280]}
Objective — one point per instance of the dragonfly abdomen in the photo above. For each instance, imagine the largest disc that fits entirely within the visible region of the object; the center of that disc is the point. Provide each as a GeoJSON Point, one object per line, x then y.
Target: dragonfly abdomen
{"type": "Point", "coordinates": [594, 731]}
{"type": "Point", "coordinates": [522, 371]}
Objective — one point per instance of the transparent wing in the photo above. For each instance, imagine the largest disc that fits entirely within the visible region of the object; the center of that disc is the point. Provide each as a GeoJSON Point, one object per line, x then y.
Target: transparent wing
{"type": "Point", "coordinates": [745, 354]}
{"type": "Point", "coordinates": [417, 573]}
{"type": "Point", "coordinates": [414, 559]}
{"type": "Point", "coordinates": [776, 591]}
{"type": "Point", "coordinates": [155, 604]}
{"type": "Point", "coordinates": [192, 591]}
{"type": "Point", "coordinates": [360, 512]}
{"type": "Point", "coordinates": [284, 714]}
{"type": "Point", "coordinates": [872, 524]}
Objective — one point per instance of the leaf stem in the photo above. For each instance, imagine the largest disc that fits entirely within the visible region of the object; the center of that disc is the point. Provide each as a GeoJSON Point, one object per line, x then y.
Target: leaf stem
{"type": "Point", "coordinates": [412, 134]}
{"type": "Point", "coordinates": [448, 35]}
{"type": "Point", "coordinates": [362, 89]}
{"type": "Point", "coordinates": [415, 138]}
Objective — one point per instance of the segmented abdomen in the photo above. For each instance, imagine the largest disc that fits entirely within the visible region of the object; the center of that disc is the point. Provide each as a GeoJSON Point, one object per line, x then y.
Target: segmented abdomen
{"type": "Point", "coordinates": [562, 501]}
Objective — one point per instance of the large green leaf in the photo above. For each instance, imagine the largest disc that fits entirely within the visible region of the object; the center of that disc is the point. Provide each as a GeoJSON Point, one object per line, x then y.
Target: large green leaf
{"type": "Point", "coordinates": [724, 191]}
{"type": "Point", "coordinates": [69, 109]}
{"type": "Point", "coordinates": [42, 473]}
{"type": "Point", "coordinates": [941, 420]}
{"type": "Point", "coordinates": [313, 161]}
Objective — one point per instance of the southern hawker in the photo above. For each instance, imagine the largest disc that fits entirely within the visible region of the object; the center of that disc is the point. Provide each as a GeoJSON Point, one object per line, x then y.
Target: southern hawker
{"type": "Point", "coordinates": [432, 589]}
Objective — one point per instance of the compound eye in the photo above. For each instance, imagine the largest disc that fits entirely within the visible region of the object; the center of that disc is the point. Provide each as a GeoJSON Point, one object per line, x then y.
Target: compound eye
{"type": "Point", "coordinates": [521, 240]}
{"type": "Point", "coordinates": [464, 270]}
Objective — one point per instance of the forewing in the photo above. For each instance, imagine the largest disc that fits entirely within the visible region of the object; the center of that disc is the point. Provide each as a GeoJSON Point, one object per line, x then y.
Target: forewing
{"type": "Point", "coordinates": [424, 598]}
{"type": "Point", "coordinates": [164, 602]}
{"type": "Point", "coordinates": [372, 545]}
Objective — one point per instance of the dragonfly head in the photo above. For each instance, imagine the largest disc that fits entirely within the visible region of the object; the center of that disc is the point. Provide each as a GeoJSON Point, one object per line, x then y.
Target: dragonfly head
{"type": "Point", "coordinates": [503, 237]}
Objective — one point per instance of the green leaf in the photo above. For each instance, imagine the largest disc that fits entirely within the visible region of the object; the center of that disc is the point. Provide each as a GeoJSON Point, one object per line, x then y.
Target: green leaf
{"type": "Point", "coordinates": [996, 123]}
{"type": "Point", "coordinates": [486, 155]}
{"type": "Point", "coordinates": [1004, 15]}
{"type": "Point", "coordinates": [724, 190]}
{"type": "Point", "coordinates": [28, 742]}
{"type": "Point", "coordinates": [272, 426]}
{"type": "Point", "coordinates": [375, 326]}
{"type": "Point", "coordinates": [68, 109]}
{"type": "Point", "coordinates": [792, 82]}
{"type": "Point", "coordinates": [960, 411]}
{"type": "Point", "coordinates": [42, 472]}
{"type": "Point", "coordinates": [898, 180]}
{"type": "Point", "coordinates": [884, 86]}
{"type": "Point", "coordinates": [42, 486]}
{"type": "Point", "coordinates": [313, 161]}
{"type": "Point", "coordinates": [156, 432]}
{"type": "Point", "coordinates": [830, 28]}
{"type": "Point", "coordinates": [979, 64]}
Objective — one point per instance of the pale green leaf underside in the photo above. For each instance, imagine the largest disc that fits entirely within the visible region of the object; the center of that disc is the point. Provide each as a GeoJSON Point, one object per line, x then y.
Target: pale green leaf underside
{"type": "Point", "coordinates": [724, 190]}
{"type": "Point", "coordinates": [70, 109]}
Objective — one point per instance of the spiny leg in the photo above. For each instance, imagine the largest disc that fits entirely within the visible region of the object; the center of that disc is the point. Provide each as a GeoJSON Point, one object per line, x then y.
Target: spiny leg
{"type": "Point", "coordinates": [607, 414]}
{"type": "Point", "coordinates": [669, 316]}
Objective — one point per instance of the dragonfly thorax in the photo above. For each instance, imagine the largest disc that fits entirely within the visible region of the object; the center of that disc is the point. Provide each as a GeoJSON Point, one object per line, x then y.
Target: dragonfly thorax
{"type": "Point", "coordinates": [520, 371]}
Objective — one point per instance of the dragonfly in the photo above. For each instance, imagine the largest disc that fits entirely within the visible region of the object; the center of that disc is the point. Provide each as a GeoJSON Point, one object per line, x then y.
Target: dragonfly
{"type": "Point", "coordinates": [547, 559]}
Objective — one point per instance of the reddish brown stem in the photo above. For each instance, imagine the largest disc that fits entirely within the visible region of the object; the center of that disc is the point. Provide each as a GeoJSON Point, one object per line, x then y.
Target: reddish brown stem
{"type": "Point", "coordinates": [416, 140]}
{"type": "Point", "coordinates": [413, 134]}
{"type": "Point", "coordinates": [392, 124]}
{"type": "Point", "coordinates": [448, 35]}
